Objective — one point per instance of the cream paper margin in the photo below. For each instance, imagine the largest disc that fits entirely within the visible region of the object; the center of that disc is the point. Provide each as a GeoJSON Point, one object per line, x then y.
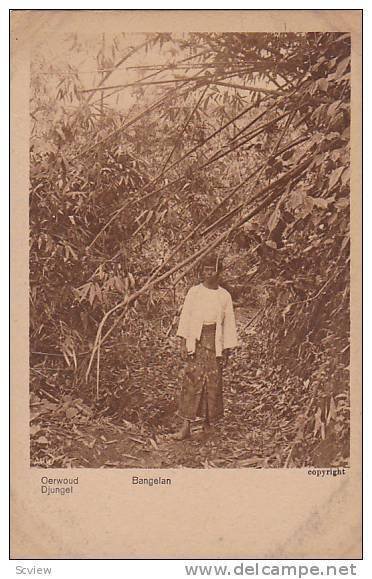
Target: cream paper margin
{"type": "Point", "coordinates": [211, 513]}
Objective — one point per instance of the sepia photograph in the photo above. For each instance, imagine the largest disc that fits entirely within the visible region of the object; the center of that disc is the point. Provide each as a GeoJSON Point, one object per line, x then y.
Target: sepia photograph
{"type": "Point", "coordinates": [186, 284]}
{"type": "Point", "coordinates": [189, 250]}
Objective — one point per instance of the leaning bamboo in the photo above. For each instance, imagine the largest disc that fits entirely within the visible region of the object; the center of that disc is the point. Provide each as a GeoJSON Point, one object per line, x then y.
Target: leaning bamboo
{"type": "Point", "coordinates": [183, 131]}
{"type": "Point", "coordinates": [277, 186]}
{"type": "Point", "coordinates": [223, 218]}
{"type": "Point", "coordinates": [127, 204]}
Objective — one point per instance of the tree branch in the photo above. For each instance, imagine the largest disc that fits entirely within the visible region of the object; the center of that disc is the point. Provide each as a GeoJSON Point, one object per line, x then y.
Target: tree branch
{"type": "Point", "coordinates": [241, 205]}
{"type": "Point", "coordinates": [249, 88]}
{"type": "Point", "coordinates": [183, 131]}
{"type": "Point", "coordinates": [198, 255]}
{"type": "Point", "coordinates": [174, 182]}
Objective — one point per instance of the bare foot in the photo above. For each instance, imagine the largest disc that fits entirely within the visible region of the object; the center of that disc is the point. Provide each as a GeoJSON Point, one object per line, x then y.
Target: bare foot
{"type": "Point", "coordinates": [183, 433]}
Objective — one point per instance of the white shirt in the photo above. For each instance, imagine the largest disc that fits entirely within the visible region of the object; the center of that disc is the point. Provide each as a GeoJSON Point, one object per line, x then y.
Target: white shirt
{"type": "Point", "coordinates": [209, 304]}
{"type": "Point", "coordinates": [202, 305]}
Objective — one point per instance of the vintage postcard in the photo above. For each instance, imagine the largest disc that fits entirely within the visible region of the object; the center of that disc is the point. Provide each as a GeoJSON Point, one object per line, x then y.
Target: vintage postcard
{"type": "Point", "coordinates": [186, 284]}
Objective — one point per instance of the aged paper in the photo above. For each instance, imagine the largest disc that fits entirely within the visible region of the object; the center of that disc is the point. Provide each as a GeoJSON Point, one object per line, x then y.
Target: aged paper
{"type": "Point", "coordinates": [253, 509]}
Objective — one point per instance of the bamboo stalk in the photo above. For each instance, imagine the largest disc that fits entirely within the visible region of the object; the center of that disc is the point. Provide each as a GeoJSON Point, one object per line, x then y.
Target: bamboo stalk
{"type": "Point", "coordinates": [227, 124]}
{"type": "Point", "coordinates": [275, 153]}
{"type": "Point", "coordinates": [249, 88]}
{"type": "Point", "coordinates": [198, 255]}
{"type": "Point", "coordinates": [183, 131]}
{"type": "Point", "coordinates": [138, 83]}
{"type": "Point", "coordinates": [150, 75]}
{"type": "Point", "coordinates": [300, 84]}
{"type": "Point", "coordinates": [118, 212]}
{"type": "Point", "coordinates": [176, 66]}
{"type": "Point", "coordinates": [119, 63]}
{"type": "Point", "coordinates": [162, 100]}
{"type": "Point", "coordinates": [108, 74]}
{"type": "Point", "coordinates": [249, 125]}
{"type": "Point", "coordinates": [279, 183]}
{"type": "Point", "coordinates": [175, 181]}
{"type": "Point", "coordinates": [126, 125]}
{"type": "Point", "coordinates": [181, 79]}
{"type": "Point", "coordinates": [252, 135]}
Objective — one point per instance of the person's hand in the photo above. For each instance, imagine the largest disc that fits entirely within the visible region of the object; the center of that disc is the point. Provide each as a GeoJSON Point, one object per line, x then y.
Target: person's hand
{"type": "Point", "coordinates": [225, 357]}
{"type": "Point", "coordinates": [183, 350]}
{"type": "Point", "coordinates": [185, 355]}
{"type": "Point", "coordinates": [222, 361]}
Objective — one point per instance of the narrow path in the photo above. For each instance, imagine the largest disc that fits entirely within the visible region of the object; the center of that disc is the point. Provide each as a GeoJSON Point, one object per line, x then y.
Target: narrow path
{"type": "Point", "coordinates": [247, 436]}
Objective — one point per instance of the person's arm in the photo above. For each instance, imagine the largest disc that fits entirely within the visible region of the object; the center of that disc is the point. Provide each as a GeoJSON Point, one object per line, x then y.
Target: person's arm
{"type": "Point", "coordinates": [226, 355]}
{"type": "Point", "coordinates": [229, 334]}
{"type": "Point", "coordinates": [184, 325]}
{"type": "Point", "coordinates": [185, 355]}
{"type": "Point", "coordinates": [224, 358]}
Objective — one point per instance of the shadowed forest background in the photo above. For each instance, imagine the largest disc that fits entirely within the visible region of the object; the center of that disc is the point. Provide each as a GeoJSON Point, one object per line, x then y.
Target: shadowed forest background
{"type": "Point", "coordinates": [149, 151]}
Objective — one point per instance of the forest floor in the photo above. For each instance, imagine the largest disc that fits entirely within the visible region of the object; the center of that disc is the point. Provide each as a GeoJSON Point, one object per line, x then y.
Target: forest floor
{"type": "Point", "coordinates": [258, 429]}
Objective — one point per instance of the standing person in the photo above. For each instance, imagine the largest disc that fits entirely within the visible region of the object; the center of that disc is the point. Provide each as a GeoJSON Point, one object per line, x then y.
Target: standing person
{"type": "Point", "coordinates": [208, 332]}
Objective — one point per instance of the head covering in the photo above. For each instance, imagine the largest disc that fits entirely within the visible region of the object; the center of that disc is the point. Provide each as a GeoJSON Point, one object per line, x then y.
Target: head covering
{"type": "Point", "coordinates": [212, 260]}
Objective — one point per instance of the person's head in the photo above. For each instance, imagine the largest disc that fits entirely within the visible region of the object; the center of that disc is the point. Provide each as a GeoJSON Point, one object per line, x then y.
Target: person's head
{"type": "Point", "coordinates": [211, 267]}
